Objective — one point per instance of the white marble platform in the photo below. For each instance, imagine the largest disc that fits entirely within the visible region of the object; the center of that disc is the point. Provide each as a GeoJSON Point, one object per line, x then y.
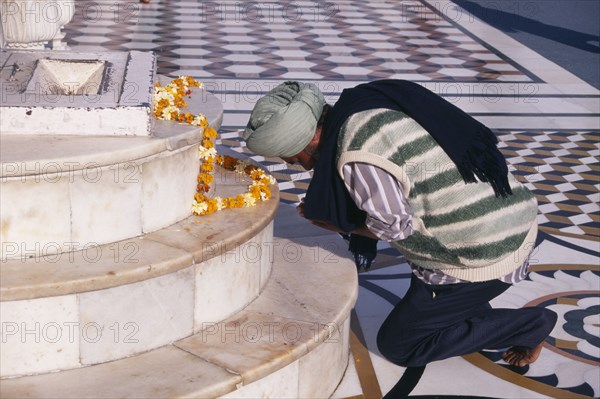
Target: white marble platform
{"type": "Point", "coordinates": [68, 193]}
{"type": "Point", "coordinates": [51, 92]}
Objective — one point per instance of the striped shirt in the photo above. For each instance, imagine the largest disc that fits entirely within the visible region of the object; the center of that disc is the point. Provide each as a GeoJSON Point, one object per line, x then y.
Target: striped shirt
{"type": "Point", "coordinates": [389, 215]}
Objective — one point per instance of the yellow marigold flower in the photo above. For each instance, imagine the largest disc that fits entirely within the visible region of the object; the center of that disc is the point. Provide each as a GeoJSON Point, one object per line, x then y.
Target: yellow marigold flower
{"type": "Point", "coordinates": [206, 178]}
{"type": "Point", "coordinates": [163, 103]}
{"type": "Point", "coordinates": [231, 203]}
{"type": "Point", "coordinates": [212, 206]}
{"type": "Point", "coordinates": [210, 133]}
{"type": "Point", "coordinates": [207, 167]}
{"type": "Point", "coordinates": [199, 197]}
{"type": "Point", "coordinates": [239, 201]}
{"type": "Point", "coordinates": [267, 193]}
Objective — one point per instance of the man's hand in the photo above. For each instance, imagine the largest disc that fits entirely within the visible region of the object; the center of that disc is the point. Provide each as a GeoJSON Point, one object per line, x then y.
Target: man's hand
{"type": "Point", "coordinates": [319, 223]}
{"type": "Point", "coordinates": [300, 208]}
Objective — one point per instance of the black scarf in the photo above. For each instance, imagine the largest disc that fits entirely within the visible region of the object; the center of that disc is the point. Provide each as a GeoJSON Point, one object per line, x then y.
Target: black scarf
{"type": "Point", "coordinates": [468, 143]}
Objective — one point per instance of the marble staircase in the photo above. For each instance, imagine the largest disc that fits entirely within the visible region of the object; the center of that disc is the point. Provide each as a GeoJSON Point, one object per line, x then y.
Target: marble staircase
{"type": "Point", "coordinates": [291, 340]}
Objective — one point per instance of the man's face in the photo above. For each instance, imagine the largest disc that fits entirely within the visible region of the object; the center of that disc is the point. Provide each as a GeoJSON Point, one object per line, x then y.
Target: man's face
{"type": "Point", "coordinates": [303, 158]}
{"type": "Point", "coordinates": [309, 155]}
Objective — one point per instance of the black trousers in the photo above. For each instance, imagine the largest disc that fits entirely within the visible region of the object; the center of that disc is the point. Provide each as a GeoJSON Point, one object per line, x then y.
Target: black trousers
{"type": "Point", "coordinates": [435, 322]}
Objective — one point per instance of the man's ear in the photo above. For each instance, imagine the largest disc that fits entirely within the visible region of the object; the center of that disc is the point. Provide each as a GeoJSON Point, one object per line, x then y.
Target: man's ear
{"type": "Point", "coordinates": [316, 140]}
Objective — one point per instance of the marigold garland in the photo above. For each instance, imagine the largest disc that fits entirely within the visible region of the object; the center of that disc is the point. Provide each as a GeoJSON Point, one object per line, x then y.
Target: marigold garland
{"type": "Point", "coordinates": [167, 102]}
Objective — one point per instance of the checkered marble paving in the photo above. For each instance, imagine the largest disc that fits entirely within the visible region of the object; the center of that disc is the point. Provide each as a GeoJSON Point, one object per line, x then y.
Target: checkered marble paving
{"type": "Point", "coordinates": [562, 169]}
{"type": "Point", "coordinates": [301, 40]}
{"type": "Point", "coordinates": [546, 119]}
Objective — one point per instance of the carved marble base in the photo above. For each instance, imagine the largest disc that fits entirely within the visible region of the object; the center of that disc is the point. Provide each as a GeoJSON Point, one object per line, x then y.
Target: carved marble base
{"type": "Point", "coordinates": [31, 24]}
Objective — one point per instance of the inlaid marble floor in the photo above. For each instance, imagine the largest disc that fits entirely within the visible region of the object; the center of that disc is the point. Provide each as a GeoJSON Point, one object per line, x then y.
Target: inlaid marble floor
{"type": "Point", "coordinates": [547, 121]}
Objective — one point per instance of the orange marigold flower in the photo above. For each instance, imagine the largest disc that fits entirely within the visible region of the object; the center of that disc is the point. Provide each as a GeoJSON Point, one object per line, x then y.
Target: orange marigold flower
{"type": "Point", "coordinates": [212, 206]}
{"type": "Point", "coordinates": [209, 132]}
{"type": "Point", "coordinates": [205, 178]}
{"type": "Point", "coordinates": [239, 201]}
{"type": "Point", "coordinates": [208, 178]}
{"type": "Point", "coordinates": [230, 202]}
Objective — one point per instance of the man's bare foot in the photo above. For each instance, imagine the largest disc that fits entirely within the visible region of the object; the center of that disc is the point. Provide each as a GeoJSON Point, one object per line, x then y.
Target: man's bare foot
{"type": "Point", "coordinates": [521, 356]}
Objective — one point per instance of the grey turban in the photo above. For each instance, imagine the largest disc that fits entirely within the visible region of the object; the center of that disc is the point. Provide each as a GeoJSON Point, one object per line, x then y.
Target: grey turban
{"type": "Point", "coordinates": [283, 122]}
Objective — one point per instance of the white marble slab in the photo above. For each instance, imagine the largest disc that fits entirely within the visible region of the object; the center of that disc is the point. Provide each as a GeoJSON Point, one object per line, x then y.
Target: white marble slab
{"type": "Point", "coordinates": [326, 364]}
{"type": "Point", "coordinates": [106, 204]}
{"type": "Point", "coordinates": [136, 317]}
{"type": "Point", "coordinates": [39, 335]}
{"type": "Point", "coordinates": [225, 284]}
{"type": "Point", "coordinates": [35, 217]}
{"type": "Point", "coordinates": [168, 187]}
{"type": "Point", "coordinates": [265, 239]}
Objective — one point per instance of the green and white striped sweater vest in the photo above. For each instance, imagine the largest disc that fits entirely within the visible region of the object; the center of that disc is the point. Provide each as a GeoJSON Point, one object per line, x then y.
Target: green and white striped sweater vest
{"type": "Point", "coordinates": [462, 229]}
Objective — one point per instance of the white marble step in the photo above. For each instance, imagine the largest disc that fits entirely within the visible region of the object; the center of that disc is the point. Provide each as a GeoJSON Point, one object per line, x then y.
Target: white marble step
{"type": "Point", "coordinates": [291, 342]}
